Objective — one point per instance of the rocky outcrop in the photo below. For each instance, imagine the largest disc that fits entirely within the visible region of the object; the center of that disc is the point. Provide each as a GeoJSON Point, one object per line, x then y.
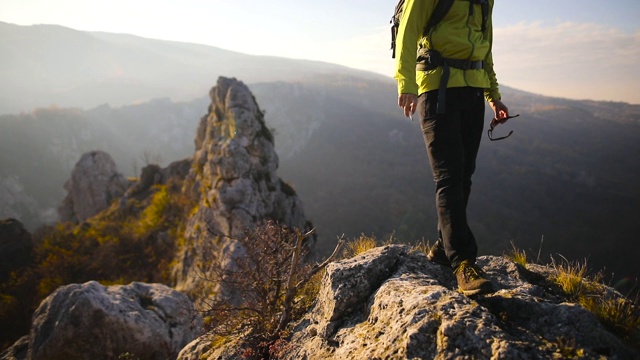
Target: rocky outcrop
{"type": "Point", "coordinates": [227, 188]}
{"type": "Point", "coordinates": [15, 247]}
{"type": "Point", "coordinates": [392, 303]}
{"type": "Point", "coordinates": [233, 177]}
{"type": "Point", "coordinates": [91, 321]}
{"type": "Point", "coordinates": [153, 174]}
{"type": "Point", "coordinates": [94, 184]}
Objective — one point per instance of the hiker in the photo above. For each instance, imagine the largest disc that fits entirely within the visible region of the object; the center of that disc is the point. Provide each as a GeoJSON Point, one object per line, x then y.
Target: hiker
{"type": "Point", "coordinates": [445, 72]}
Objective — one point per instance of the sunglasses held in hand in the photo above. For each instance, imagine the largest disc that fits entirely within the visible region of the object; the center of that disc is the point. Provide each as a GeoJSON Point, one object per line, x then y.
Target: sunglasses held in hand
{"type": "Point", "coordinates": [494, 123]}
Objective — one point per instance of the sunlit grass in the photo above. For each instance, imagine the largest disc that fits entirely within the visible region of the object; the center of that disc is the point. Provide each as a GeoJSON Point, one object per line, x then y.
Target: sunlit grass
{"type": "Point", "coordinates": [153, 215]}
{"type": "Point", "coordinates": [422, 246]}
{"type": "Point", "coordinates": [619, 314]}
{"type": "Point", "coordinates": [359, 246]}
{"type": "Point", "coordinates": [516, 255]}
{"type": "Point", "coordinates": [572, 278]}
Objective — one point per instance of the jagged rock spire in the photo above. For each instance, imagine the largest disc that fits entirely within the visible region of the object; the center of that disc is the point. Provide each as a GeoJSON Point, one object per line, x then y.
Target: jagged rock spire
{"type": "Point", "coordinates": [233, 177]}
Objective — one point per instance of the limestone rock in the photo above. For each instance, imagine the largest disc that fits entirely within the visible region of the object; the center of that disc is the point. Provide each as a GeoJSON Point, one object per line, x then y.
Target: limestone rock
{"type": "Point", "coordinates": [91, 321]}
{"type": "Point", "coordinates": [15, 247]}
{"type": "Point", "coordinates": [409, 308]}
{"type": "Point", "coordinates": [176, 170]}
{"type": "Point", "coordinates": [149, 176]}
{"type": "Point", "coordinates": [18, 351]}
{"type": "Point", "coordinates": [392, 303]}
{"type": "Point", "coordinates": [205, 347]}
{"type": "Point", "coordinates": [233, 177]}
{"type": "Point", "coordinates": [94, 183]}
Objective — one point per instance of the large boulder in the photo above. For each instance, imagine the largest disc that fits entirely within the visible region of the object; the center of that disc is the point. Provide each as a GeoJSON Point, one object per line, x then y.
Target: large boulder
{"type": "Point", "coordinates": [392, 303]}
{"type": "Point", "coordinates": [234, 181]}
{"type": "Point", "coordinates": [94, 184]}
{"type": "Point", "coordinates": [91, 321]}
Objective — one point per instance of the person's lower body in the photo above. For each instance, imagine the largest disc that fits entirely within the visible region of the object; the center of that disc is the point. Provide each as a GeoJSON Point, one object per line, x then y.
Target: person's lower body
{"type": "Point", "coordinates": [452, 140]}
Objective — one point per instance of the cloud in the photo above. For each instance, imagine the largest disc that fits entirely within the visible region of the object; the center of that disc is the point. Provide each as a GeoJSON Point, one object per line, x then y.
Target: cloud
{"type": "Point", "coordinates": [569, 59]}
{"type": "Point", "coordinates": [576, 60]}
{"type": "Point", "coordinates": [567, 42]}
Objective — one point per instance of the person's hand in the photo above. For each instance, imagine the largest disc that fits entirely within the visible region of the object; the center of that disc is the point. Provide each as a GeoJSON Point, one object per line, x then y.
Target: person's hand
{"type": "Point", "coordinates": [408, 103]}
{"type": "Point", "coordinates": [500, 111]}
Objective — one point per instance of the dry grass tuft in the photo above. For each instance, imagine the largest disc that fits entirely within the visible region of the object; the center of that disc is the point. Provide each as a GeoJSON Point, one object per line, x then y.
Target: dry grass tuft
{"type": "Point", "coordinates": [619, 314]}
{"type": "Point", "coordinates": [359, 246]}
{"type": "Point", "coordinates": [516, 255]}
{"type": "Point", "coordinates": [572, 278]}
{"type": "Point", "coordinates": [422, 246]}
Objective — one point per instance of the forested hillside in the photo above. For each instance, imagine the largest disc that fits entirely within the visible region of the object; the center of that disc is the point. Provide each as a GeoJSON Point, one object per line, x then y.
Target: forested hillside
{"type": "Point", "coordinates": [565, 181]}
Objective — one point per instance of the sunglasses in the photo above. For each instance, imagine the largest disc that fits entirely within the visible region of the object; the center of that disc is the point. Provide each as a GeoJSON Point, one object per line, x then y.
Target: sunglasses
{"type": "Point", "coordinates": [494, 123]}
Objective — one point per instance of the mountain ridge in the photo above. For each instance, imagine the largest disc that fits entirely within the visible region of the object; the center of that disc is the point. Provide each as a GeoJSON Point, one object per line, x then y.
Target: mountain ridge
{"type": "Point", "coordinates": [567, 175]}
{"type": "Point", "coordinates": [37, 58]}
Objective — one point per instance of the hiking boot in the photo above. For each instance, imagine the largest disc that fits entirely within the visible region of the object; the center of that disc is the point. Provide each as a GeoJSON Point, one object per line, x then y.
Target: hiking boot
{"type": "Point", "coordinates": [470, 280]}
{"type": "Point", "coordinates": [437, 255]}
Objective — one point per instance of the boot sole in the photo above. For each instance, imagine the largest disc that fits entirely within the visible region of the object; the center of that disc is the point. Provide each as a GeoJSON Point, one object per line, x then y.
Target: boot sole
{"type": "Point", "coordinates": [472, 292]}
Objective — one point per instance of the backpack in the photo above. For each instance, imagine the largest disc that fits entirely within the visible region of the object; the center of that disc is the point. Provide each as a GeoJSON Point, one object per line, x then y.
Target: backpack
{"type": "Point", "coordinates": [431, 58]}
{"type": "Point", "coordinates": [441, 9]}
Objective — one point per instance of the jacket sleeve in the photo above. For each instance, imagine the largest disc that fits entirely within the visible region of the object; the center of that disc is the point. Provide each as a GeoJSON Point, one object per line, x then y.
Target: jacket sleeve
{"type": "Point", "coordinates": [412, 24]}
{"type": "Point", "coordinates": [492, 93]}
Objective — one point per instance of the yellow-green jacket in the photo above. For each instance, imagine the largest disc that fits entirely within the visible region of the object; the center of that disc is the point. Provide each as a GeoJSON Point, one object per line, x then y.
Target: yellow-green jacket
{"type": "Point", "coordinates": [457, 36]}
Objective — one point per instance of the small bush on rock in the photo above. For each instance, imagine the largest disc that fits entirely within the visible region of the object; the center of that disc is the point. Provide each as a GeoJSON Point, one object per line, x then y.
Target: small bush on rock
{"type": "Point", "coordinates": [267, 285]}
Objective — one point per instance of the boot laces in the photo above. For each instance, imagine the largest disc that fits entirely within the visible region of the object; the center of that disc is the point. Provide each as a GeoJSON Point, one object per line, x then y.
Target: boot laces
{"type": "Point", "coordinates": [469, 271]}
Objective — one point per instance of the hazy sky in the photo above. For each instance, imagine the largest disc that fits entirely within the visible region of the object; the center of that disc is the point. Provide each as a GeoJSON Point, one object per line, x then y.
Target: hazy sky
{"type": "Point", "coordinates": [584, 49]}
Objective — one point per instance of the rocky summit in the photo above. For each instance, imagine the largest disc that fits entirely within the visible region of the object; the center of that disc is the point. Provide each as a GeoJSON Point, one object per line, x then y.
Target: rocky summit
{"type": "Point", "coordinates": [227, 188]}
{"type": "Point", "coordinates": [392, 303]}
{"type": "Point", "coordinates": [233, 177]}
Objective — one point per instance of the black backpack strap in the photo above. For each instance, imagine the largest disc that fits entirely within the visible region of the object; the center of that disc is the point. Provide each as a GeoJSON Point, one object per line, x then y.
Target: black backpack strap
{"type": "Point", "coordinates": [485, 14]}
{"type": "Point", "coordinates": [395, 24]}
{"type": "Point", "coordinates": [484, 5]}
{"type": "Point", "coordinates": [441, 9]}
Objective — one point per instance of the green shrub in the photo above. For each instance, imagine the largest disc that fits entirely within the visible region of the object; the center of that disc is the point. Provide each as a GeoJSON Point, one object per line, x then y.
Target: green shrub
{"type": "Point", "coordinates": [153, 215]}
{"type": "Point", "coordinates": [136, 242]}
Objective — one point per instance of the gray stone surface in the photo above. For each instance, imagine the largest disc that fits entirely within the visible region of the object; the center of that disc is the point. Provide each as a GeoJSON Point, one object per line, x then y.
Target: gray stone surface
{"type": "Point", "coordinates": [91, 321]}
{"type": "Point", "coordinates": [15, 247]}
{"type": "Point", "coordinates": [392, 303]}
{"type": "Point", "coordinates": [233, 177]}
{"type": "Point", "coordinates": [94, 184]}
{"type": "Point", "coordinates": [208, 347]}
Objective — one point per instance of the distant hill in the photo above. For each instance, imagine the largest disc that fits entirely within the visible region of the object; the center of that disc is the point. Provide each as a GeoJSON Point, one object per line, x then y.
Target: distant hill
{"type": "Point", "coordinates": [49, 64]}
{"type": "Point", "coordinates": [565, 182]}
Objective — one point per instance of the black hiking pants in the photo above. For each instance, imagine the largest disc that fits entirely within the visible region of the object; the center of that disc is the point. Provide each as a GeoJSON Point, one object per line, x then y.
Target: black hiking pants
{"type": "Point", "coordinates": [452, 141]}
